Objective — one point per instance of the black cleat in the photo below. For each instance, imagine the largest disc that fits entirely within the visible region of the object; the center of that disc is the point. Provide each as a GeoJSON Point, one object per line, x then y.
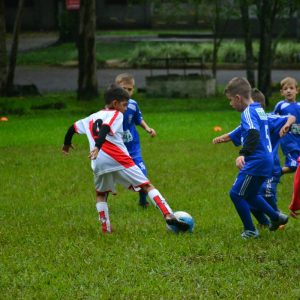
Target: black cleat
{"type": "Point", "coordinates": [173, 221]}
{"type": "Point", "coordinates": [282, 220]}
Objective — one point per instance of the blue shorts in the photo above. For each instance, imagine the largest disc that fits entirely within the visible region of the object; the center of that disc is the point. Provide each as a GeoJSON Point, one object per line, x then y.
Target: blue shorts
{"type": "Point", "coordinates": [247, 186]}
{"type": "Point", "coordinates": [269, 187]}
{"type": "Point", "coordinates": [291, 159]}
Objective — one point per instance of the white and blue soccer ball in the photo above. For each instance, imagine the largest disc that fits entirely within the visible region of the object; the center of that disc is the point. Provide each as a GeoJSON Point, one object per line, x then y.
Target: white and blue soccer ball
{"type": "Point", "coordinates": [184, 217]}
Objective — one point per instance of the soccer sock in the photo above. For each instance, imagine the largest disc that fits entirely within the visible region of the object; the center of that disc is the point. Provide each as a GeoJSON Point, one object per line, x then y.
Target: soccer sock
{"type": "Point", "coordinates": [242, 207]}
{"type": "Point", "coordinates": [143, 198]}
{"type": "Point", "coordinates": [295, 203]}
{"type": "Point", "coordinates": [160, 202]}
{"type": "Point", "coordinates": [259, 203]}
{"type": "Point", "coordinates": [102, 209]}
{"type": "Point", "coordinates": [260, 217]}
{"type": "Point", "coordinates": [272, 201]}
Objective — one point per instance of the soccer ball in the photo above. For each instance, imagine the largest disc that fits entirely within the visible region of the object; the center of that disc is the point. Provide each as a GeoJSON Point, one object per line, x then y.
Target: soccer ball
{"type": "Point", "coordinates": [184, 217]}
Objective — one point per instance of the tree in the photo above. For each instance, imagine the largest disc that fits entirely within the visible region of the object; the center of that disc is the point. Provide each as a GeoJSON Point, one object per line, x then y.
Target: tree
{"type": "Point", "coordinates": [14, 49]}
{"type": "Point", "coordinates": [216, 13]}
{"type": "Point", "coordinates": [250, 66]}
{"type": "Point", "coordinates": [87, 77]}
{"type": "Point", "coordinates": [3, 52]}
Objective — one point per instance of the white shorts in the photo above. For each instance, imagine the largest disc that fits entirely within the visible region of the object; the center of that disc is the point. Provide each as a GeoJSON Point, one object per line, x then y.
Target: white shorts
{"type": "Point", "coordinates": [130, 178]}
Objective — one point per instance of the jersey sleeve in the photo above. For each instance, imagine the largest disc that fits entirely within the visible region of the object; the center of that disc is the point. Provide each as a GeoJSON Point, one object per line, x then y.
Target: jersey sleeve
{"type": "Point", "coordinates": [235, 136]}
{"type": "Point", "coordinates": [137, 118]}
{"type": "Point", "coordinates": [277, 109]}
{"type": "Point", "coordinates": [249, 120]}
{"type": "Point", "coordinates": [276, 122]}
{"type": "Point", "coordinates": [80, 126]}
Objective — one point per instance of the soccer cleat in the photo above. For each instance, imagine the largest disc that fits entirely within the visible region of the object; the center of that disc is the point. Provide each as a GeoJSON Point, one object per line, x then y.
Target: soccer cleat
{"type": "Point", "coordinates": [282, 220]}
{"type": "Point", "coordinates": [173, 221]}
{"type": "Point", "coordinates": [247, 234]}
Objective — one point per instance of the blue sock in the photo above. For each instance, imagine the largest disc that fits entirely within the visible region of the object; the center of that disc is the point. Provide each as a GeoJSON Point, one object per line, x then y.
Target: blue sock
{"type": "Point", "coordinates": [260, 217]}
{"type": "Point", "coordinates": [273, 202]}
{"type": "Point", "coordinates": [242, 207]}
{"type": "Point", "coordinates": [143, 198]}
{"type": "Point", "coordinates": [260, 204]}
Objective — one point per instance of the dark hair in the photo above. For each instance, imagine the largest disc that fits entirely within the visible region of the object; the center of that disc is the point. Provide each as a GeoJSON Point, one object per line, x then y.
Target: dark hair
{"type": "Point", "coordinates": [115, 92]}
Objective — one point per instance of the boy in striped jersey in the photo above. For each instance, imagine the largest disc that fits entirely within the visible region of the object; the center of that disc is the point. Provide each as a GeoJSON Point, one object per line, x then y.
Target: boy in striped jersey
{"type": "Point", "coordinates": [110, 160]}
{"type": "Point", "coordinates": [255, 160]}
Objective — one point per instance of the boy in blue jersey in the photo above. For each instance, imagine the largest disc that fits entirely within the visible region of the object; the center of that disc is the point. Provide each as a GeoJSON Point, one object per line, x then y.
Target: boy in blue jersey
{"type": "Point", "coordinates": [278, 126]}
{"type": "Point", "coordinates": [132, 118]}
{"type": "Point", "coordinates": [255, 160]}
{"type": "Point", "coordinates": [290, 144]}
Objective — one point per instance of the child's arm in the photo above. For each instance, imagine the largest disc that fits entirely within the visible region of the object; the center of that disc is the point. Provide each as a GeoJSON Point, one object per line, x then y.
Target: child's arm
{"type": "Point", "coordinates": [68, 140]}
{"type": "Point", "coordinates": [286, 127]}
{"type": "Point", "coordinates": [222, 139]}
{"type": "Point", "coordinates": [151, 131]}
{"type": "Point", "coordinates": [105, 129]}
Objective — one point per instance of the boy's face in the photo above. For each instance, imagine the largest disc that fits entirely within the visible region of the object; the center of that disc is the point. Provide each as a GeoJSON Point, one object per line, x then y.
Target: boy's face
{"type": "Point", "coordinates": [289, 91]}
{"type": "Point", "coordinates": [119, 105]}
{"type": "Point", "coordinates": [127, 86]}
{"type": "Point", "coordinates": [236, 102]}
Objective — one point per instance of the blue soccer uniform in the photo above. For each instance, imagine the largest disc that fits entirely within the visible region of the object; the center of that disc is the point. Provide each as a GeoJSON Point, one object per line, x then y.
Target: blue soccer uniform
{"type": "Point", "coordinates": [269, 188]}
{"type": "Point", "coordinates": [132, 118]}
{"type": "Point", "coordinates": [290, 143]}
{"type": "Point", "coordinates": [257, 150]}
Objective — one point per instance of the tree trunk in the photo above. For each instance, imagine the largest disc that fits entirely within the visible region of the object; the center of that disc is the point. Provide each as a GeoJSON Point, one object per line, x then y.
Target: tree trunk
{"type": "Point", "coordinates": [3, 51]}
{"type": "Point", "coordinates": [244, 8]}
{"type": "Point", "coordinates": [14, 48]}
{"type": "Point", "coordinates": [87, 77]}
{"type": "Point", "coordinates": [267, 11]}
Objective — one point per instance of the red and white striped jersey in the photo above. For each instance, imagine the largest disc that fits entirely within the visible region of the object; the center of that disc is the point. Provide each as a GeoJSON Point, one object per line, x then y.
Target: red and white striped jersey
{"type": "Point", "coordinates": [113, 155]}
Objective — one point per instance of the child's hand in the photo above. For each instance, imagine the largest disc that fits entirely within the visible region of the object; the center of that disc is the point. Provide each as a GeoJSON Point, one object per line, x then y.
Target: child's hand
{"type": "Point", "coordinates": [284, 130]}
{"type": "Point", "coordinates": [218, 140]}
{"type": "Point", "coordinates": [240, 162]}
{"type": "Point", "coordinates": [94, 153]}
{"type": "Point", "coordinates": [152, 132]}
{"type": "Point", "coordinates": [66, 149]}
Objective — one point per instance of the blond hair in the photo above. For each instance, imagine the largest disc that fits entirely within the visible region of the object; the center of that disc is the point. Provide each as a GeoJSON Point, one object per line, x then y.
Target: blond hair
{"type": "Point", "coordinates": [125, 78]}
{"type": "Point", "coordinates": [258, 96]}
{"type": "Point", "coordinates": [238, 86]}
{"type": "Point", "coordinates": [288, 80]}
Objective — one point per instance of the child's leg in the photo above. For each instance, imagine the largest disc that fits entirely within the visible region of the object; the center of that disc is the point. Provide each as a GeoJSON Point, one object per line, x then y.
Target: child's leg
{"type": "Point", "coordinates": [260, 217]}
{"type": "Point", "coordinates": [242, 208]}
{"type": "Point", "coordinates": [295, 204]}
{"type": "Point", "coordinates": [250, 190]}
{"type": "Point", "coordinates": [142, 195]}
{"type": "Point", "coordinates": [102, 208]}
{"type": "Point", "coordinates": [157, 199]}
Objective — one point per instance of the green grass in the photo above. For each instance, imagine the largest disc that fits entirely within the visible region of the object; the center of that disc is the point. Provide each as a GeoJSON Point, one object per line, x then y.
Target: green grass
{"type": "Point", "coordinates": [51, 246]}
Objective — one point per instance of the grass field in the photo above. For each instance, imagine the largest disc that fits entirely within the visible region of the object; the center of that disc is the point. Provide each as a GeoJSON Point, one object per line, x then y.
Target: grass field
{"type": "Point", "coordinates": [51, 246]}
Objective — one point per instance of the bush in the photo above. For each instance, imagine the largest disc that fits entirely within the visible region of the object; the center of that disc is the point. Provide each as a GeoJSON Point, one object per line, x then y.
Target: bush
{"type": "Point", "coordinates": [229, 52]}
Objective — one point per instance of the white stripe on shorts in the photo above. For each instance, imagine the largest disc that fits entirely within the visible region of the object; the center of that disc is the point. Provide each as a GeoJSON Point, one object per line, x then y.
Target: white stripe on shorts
{"type": "Point", "coordinates": [245, 185]}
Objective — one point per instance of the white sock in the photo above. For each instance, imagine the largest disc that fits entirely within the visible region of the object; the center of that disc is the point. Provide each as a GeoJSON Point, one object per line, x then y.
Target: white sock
{"type": "Point", "coordinates": [160, 202]}
{"type": "Point", "coordinates": [102, 209]}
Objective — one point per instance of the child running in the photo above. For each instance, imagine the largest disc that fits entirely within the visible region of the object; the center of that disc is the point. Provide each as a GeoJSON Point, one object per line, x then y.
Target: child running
{"type": "Point", "coordinates": [110, 159]}
{"type": "Point", "coordinates": [255, 160]}
{"type": "Point", "coordinates": [278, 126]}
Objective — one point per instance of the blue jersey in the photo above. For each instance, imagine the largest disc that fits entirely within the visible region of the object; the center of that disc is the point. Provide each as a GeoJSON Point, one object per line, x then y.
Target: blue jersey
{"type": "Point", "coordinates": [290, 142]}
{"type": "Point", "coordinates": [275, 123]}
{"type": "Point", "coordinates": [260, 162]}
{"type": "Point", "coordinates": [132, 117]}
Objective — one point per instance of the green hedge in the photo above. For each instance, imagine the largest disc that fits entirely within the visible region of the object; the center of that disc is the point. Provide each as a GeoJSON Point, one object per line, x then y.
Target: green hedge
{"type": "Point", "coordinates": [229, 52]}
